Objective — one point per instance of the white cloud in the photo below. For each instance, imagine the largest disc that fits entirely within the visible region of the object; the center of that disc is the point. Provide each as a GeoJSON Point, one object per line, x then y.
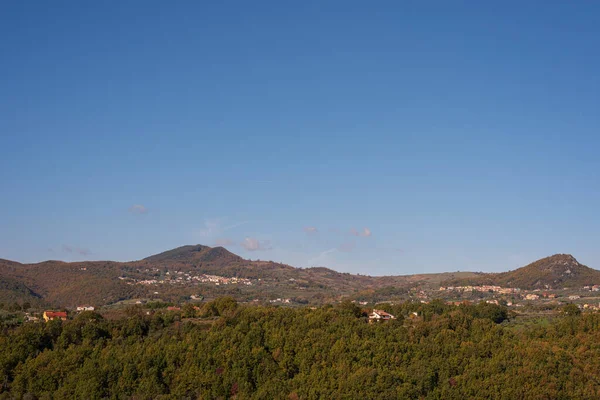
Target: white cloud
{"type": "Point", "coordinates": [138, 209]}
{"type": "Point", "coordinates": [232, 226]}
{"type": "Point", "coordinates": [311, 230]}
{"type": "Point", "coordinates": [253, 244]}
{"type": "Point", "coordinates": [215, 227]}
{"type": "Point", "coordinates": [365, 232]}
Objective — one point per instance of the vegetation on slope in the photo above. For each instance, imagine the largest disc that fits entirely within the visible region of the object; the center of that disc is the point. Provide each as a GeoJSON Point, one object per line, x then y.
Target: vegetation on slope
{"type": "Point", "coordinates": [554, 272]}
{"type": "Point", "coordinates": [282, 353]}
{"type": "Point", "coordinates": [104, 282]}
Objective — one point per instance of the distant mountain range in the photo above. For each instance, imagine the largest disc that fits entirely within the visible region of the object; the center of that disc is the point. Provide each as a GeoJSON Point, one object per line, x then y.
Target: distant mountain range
{"type": "Point", "coordinates": [177, 274]}
{"type": "Point", "coordinates": [554, 272]}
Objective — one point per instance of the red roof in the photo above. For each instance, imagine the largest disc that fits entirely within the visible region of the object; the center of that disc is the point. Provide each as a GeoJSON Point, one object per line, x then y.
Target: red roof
{"type": "Point", "coordinates": [56, 314]}
{"type": "Point", "coordinates": [383, 314]}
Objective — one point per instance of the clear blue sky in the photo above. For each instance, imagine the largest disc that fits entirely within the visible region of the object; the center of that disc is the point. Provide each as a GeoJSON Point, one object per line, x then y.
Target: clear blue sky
{"type": "Point", "coordinates": [370, 137]}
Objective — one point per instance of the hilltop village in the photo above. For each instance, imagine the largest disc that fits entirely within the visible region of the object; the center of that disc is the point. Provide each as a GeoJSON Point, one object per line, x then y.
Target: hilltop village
{"type": "Point", "coordinates": [182, 278]}
{"type": "Point", "coordinates": [194, 275]}
{"type": "Point", "coordinates": [587, 297]}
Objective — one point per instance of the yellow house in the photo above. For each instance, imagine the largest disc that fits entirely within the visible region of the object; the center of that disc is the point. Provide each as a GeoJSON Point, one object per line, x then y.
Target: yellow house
{"type": "Point", "coordinates": [51, 315]}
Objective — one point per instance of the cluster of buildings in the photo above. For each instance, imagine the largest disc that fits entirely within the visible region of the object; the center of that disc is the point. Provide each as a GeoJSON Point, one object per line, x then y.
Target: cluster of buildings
{"type": "Point", "coordinates": [280, 300]}
{"type": "Point", "coordinates": [179, 277]}
{"type": "Point", "coordinates": [221, 280]}
{"type": "Point", "coordinates": [482, 288]}
{"type": "Point", "coordinates": [51, 315]}
{"type": "Point", "coordinates": [594, 288]}
{"type": "Point", "coordinates": [421, 295]}
{"type": "Point", "coordinates": [591, 307]}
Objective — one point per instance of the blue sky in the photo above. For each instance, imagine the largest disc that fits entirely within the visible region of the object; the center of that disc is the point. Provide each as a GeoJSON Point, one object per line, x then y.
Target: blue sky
{"type": "Point", "coordinates": [375, 138]}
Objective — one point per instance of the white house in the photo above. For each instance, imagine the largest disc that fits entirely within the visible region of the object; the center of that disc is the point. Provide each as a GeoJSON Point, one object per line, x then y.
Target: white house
{"type": "Point", "coordinates": [380, 315]}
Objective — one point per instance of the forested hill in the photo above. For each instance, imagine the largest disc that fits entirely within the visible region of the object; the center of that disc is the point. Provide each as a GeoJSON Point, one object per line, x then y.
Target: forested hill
{"type": "Point", "coordinates": [195, 254]}
{"type": "Point", "coordinates": [554, 272]}
{"type": "Point", "coordinates": [198, 270]}
{"type": "Point", "coordinates": [177, 274]}
{"type": "Point", "coordinates": [228, 351]}
{"type": "Point", "coordinates": [13, 290]}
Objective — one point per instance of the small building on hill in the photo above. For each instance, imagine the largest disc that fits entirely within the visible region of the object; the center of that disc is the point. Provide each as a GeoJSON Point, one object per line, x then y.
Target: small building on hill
{"type": "Point", "coordinates": [85, 308]}
{"type": "Point", "coordinates": [52, 315]}
{"type": "Point", "coordinates": [380, 315]}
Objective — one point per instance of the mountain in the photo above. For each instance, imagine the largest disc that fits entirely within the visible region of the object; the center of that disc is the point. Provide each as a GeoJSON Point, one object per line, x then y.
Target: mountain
{"type": "Point", "coordinates": [172, 275]}
{"type": "Point", "coordinates": [195, 253]}
{"type": "Point", "coordinates": [554, 272]}
{"type": "Point", "coordinates": [177, 274]}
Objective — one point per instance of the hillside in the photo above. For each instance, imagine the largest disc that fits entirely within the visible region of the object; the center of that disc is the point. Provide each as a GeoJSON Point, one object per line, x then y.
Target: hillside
{"type": "Point", "coordinates": [12, 290]}
{"type": "Point", "coordinates": [174, 275]}
{"type": "Point", "coordinates": [554, 272]}
{"type": "Point", "coordinates": [67, 284]}
{"type": "Point", "coordinates": [197, 270]}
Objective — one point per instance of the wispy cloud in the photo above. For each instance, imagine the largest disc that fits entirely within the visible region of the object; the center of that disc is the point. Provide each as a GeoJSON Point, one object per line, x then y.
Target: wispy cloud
{"type": "Point", "coordinates": [216, 226]}
{"type": "Point", "coordinates": [393, 249]}
{"type": "Point", "coordinates": [325, 252]}
{"type": "Point", "coordinates": [237, 224]}
{"type": "Point", "coordinates": [138, 209]}
{"type": "Point", "coordinates": [76, 250]}
{"type": "Point", "coordinates": [211, 227]}
{"type": "Point", "coordinates": [321, 258]}
{"type": "Point", "coordinates": [224, 242]}
{"type": "Point", "coordinates": [365, 232]}
{"type": "Point", "coordinates": [346, 247]}
{"type": "Point", "coordinates": [253, 244]}
{"type": "Point", "coordinates": [310, 230]}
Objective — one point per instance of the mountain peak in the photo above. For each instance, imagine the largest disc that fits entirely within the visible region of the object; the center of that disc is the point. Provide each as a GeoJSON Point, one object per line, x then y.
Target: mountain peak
{"type": "Point", "coordinates": [556, 271]}
{"type": "Point", "coordinates": [197, 252]}
{"type": "Point", "coordinates": [562, 257]}
{"type": "Point", "coordinates": [553, 272]}
{"type": "Point", "coordinates": [558, 263]}
{"type": "Point", "coordinates": [182, 253]}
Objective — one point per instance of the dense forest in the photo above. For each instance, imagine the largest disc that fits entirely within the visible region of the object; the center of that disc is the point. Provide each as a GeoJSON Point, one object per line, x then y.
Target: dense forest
{"type": "Point", "coordinates": [226, 350]}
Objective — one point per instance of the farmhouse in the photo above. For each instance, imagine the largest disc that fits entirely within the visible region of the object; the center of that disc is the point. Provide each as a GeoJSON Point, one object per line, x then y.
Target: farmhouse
{"type": "Point", "coordinates": [52, 315]}
{"type": "Point", "coordinates": [380, 315]}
